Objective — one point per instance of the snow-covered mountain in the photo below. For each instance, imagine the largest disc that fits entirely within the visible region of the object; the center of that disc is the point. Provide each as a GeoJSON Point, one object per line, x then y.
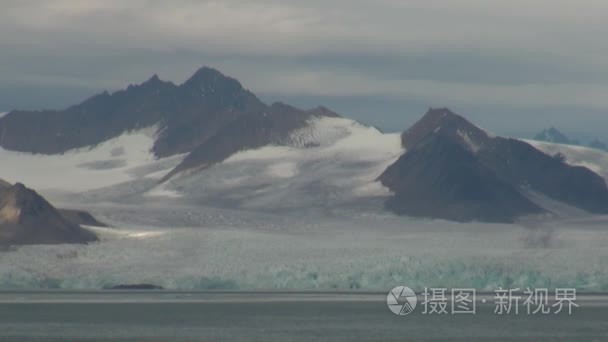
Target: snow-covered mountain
{"type": "Point", "coordinates": [455, 170]}
{"type": "Point", "coordinates": [327, 164]}
{"type": "Point", "coordinates": [443, 175]}
{"type": "Point", "coordinates": [209, 142]}
{"type": "Point", "coordinates": [330, 164]}
{"type": "Point", "coordinates": [256, 196]}
{"type": "Point", "coordinates": [553, 135]}
{"type": "Point", "coordinates": [184, 116]}
{"type": "Point", "coordinates": [210, 117]}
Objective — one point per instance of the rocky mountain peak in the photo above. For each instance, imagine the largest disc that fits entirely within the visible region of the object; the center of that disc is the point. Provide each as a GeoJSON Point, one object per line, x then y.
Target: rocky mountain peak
{"type": "Point", "coordinates": [450, 163]}
{"type": "Point", "coordinates": [154, 79]}
{"type": "Point", "coordinates": [155, 83]}
{"type": "Point", "coordinates": [211, 79]}
{"type": "Point", "coordinates": [554, 135]}
{"type": "Point", "coordinates": [443, 121]}
{"type": "Point", "coordinates": [27, 218]}
{"type": "Point", "coordinates": [18, 202]}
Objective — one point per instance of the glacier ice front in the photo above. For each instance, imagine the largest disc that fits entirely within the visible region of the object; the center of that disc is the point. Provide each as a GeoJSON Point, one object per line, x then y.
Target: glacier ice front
{"type": "Point", "coordinates": [251, 251]}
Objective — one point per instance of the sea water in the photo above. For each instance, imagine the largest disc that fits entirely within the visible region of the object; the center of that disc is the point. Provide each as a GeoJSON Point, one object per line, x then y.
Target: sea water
{"type": "Point", "coordinates": [274, 316]}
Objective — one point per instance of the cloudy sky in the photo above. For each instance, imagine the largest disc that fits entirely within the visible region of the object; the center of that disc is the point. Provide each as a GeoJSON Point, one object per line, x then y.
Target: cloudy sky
{"type": "Point", "coordinates": [513, 66]}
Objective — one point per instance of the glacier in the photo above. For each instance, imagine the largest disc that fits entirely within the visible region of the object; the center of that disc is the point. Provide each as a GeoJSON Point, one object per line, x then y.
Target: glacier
{"type": "Point", "coordinates": [306, 215]}
{"type": "Point", "coordinates": [241, 251]}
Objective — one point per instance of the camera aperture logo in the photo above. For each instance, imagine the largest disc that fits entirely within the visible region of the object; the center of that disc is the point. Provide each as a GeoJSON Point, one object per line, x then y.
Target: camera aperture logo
{"type": "Point", "coordinates": [401, 300]}
{"type": "Point", "coordinates": [437, 301]}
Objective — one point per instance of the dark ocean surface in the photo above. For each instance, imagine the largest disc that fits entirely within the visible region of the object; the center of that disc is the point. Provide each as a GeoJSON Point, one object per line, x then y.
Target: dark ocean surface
{"type": "Point", "coordinates": [275, 316]}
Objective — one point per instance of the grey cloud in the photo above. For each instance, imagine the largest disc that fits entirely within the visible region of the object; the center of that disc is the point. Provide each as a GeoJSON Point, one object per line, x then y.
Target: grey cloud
{"type": "Point", "coordinates": [480, 55]}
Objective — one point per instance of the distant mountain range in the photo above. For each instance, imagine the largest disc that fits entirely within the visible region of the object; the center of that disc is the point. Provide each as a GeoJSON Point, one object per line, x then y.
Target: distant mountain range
{"type": "Point", "coordinates": [446, 168]}
{"type": "Point", "coordinates": [599, 145]}
{"type": "Point", "coordinates": [553, 135]}
{"type": "Point", "coordinates": [210, 116]}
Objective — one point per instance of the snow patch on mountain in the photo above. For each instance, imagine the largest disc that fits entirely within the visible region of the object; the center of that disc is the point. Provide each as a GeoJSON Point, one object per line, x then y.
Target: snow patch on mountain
{"type": "Point", "coordinates": [282, 170]}
{"type": "Point", "coordinates": [3, 114]}
{"type": "Point", "coordinates": [593, 159]}
{"type": "Point", "coordinates": [162, 191]}
{"type": "Point", "coordinates": [330, 162]}
{"type": "Point", "coordinates": [473, 147]}
{"type": "Point", "coordinates": [323, 131]}
{"type": "Point", "coordinates": [121, 159]}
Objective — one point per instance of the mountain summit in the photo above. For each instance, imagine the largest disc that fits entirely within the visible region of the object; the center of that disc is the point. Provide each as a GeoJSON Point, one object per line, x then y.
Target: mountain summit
{"type": "Point", "coordinates": [185, 115]}
{"type": "Point", "coordinates": [454, 170]}
{"type": "Point", "coordinates": [210, 116]}
{"type": "Point", "coordinates": [448, 124]}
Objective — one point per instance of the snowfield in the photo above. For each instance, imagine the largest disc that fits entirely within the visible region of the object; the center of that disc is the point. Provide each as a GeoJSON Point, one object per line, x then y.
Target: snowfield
{"type": "Point", "coordinates": [122, 159]}
{"type": "Point", "coordinates": [327, 165]}
{"type": "Point", "coordinates": [593, 159]}
{"type": "Point", "coordinates": [306, 215]}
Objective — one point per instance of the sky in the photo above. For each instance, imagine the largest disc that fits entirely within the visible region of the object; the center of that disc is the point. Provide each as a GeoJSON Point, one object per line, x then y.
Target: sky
{"type": "Point", "coordinates": [514, 67]}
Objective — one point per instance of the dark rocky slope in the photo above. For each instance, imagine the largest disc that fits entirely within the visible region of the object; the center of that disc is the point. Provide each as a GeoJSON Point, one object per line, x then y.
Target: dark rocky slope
{"type": "Point", "coordinates": [187, 114]}
{"type": "Point", "coordinates": [272, 126]}
{"type": "Point", "coordinates": [26, 218]}
{"type": "Point", "coordinates": [210, 115]}
{"type": "Point", "coordinates": [438, 178]}
{"type": "Point", "coordinates": [81, 217]}
{"type": "Point", "coordinates": [454, 170]}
